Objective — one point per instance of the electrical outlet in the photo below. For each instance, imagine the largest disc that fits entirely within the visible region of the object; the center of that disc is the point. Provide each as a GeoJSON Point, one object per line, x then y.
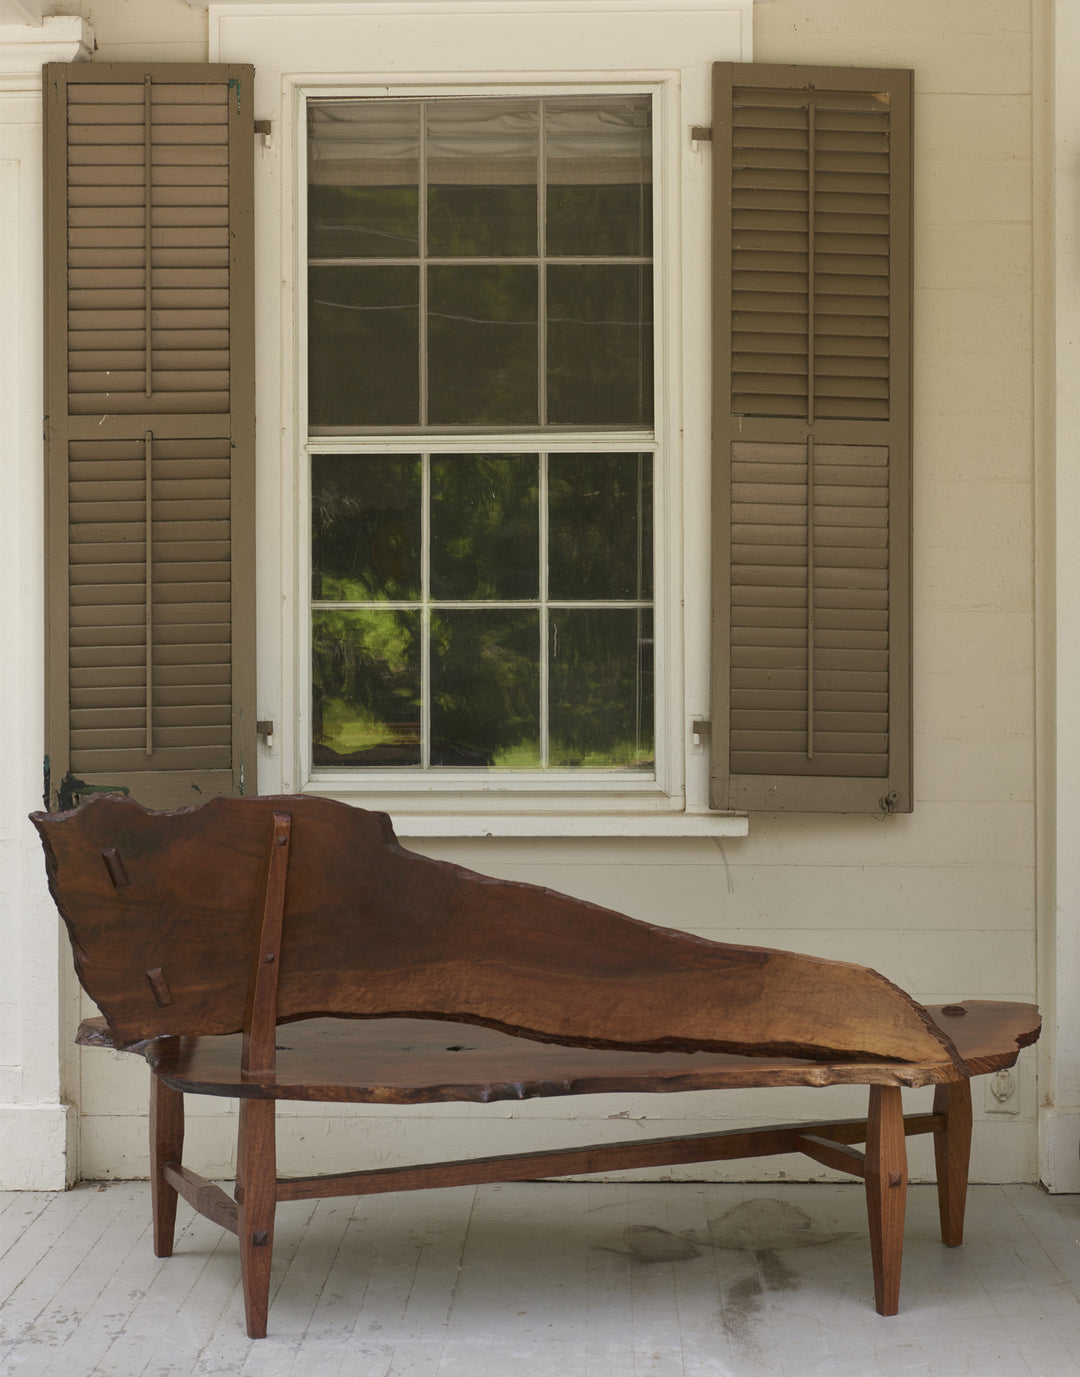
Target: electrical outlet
{"type": "Point", "coordinates": [1002, 1092]}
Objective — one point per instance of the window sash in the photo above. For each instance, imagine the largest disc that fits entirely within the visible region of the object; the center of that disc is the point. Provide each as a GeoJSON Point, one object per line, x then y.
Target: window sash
{"type": "Point", "coordinates": [448, 439]}
{"type": "Point", "coordinates": [431, 267]}
{"type": "Point", "coordinates": [427, 604]}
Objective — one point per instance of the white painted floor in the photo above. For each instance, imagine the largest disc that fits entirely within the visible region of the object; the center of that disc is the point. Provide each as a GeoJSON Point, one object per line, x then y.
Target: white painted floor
{"type": "Point", "coordinates": [545, 1280]}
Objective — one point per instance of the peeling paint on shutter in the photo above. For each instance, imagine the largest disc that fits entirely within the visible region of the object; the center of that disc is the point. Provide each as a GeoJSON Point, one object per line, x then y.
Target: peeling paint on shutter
{"type": "Point", "coordinates": [812, 407]}
{"type": "Point", "coordinates": [150, 430]}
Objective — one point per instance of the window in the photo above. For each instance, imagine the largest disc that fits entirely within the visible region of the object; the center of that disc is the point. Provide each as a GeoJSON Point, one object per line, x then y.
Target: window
{"type": "Point", "coordinates": [480, 278]}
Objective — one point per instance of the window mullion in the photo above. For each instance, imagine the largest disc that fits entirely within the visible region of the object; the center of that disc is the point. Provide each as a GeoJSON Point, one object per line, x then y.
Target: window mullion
{"type": "Point", "coordinates": [640, 617]}
{"type": "Point", "coordinates": [545, 634]}
{"type": "Point", "coordinates": [541, 266]}
{"type": "Point", "coordinates": [422, 200]}
{"type": "Point", "coordinates": [425, 611]}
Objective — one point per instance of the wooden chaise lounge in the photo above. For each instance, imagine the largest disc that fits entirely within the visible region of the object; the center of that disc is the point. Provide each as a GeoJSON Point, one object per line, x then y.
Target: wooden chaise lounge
{"type": "Point", "coordinates": [198, 932]}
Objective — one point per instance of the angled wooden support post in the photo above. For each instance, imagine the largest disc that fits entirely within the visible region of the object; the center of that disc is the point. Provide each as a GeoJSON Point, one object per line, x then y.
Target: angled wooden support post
{"type": "Point", "coordinates": [166, 1147]}
{"type": "Point", "coordinates": [260, 1018]}
{"type": "Point", "coordinates": [886, 1192]}
{"type": "Point", "coordinates": [256, 1196]}
{"type": "Point", "coordinates": [256, 1152]}
{"type": "Point", "coordinates": [952, 1153]}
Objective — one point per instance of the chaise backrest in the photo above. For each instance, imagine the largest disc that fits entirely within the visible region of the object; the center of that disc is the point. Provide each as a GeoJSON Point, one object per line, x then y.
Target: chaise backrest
{"type": "Point", "coordinates": [164, 914]}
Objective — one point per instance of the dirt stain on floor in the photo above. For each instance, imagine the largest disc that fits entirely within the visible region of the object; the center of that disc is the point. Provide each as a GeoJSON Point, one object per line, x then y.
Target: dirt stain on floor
{"type": "Point", "coordinates": [760, 1232]}
{"type": "Point", "coordinates": [757, 1234]}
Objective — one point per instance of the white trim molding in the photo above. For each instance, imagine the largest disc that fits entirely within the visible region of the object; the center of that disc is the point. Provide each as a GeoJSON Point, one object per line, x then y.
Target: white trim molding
{"type": "Point", "coordinates": [25, 48]}
{"type": "Point", "coordinates": [1059, 571]}
{"type": "Point", "coordinates": [623, 825]}
{"type": "Point", "coordinates": [37, 1146]}
{"type": "Point", "coordinates": [37, 1128]}
{"type": "Point", "coordinates": [1059, 1169]}
{"type": "Point", "coordinates": [339, 7]}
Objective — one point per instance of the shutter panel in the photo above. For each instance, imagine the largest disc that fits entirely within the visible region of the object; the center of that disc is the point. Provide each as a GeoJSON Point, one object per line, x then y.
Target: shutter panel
{"type": "Point", "coordinates": [149, 431]}
{"type": "Point", "coordinates": [812, 437]}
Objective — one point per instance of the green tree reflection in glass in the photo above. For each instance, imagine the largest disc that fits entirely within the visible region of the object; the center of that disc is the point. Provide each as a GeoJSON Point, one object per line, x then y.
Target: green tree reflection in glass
{"type": "Point", "coordinates": [485, 524]}
{"type": "Point", "coordinates": [365, 528]}
{"type": "Point", "coordinates": [601, 677]}
{"type": "Point", "coordinates": [365, 687]}
{"type": "Point", "coordinates": [485, 688]}
{"type": "Point", "coordinates": [600, 521]}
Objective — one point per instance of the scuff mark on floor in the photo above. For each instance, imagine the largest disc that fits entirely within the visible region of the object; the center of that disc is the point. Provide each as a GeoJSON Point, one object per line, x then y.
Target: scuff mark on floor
{"type": "Point", "coordinates": [648, 1244]}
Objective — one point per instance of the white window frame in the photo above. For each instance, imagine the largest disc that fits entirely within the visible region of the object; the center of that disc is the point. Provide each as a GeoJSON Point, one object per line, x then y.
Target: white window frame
{"type": "Point", "coordinates": [533, 785]}
{"type": "Point", "coordinates": [471, 47]}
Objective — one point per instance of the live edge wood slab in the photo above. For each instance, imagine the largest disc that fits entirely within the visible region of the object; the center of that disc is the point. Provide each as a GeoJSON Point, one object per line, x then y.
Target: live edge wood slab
{"type": "Point", "coordinates": [290, 949]}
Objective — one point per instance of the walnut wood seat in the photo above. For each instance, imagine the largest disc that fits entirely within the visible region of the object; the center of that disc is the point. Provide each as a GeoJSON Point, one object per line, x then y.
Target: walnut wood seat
{"type": "Point", "coordinates": [289, 948]}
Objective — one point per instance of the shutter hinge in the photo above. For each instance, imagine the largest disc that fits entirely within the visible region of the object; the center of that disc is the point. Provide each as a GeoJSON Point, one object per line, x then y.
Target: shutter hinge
{"type": "Point", "coordinates": [701, 728]}
{"type": "Point", "coordinates": [887, 802]}
{"type": "Point", "coordinates": [266, 129]}
{"type": "Point", "coordinates": [265, 729]}
{"type": "Point", "coordinates": [700, 133]}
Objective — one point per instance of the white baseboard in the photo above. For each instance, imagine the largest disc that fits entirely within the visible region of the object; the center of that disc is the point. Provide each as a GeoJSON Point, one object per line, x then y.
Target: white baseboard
{"type": "Point", "coordinates": [37, 1147]}
{"type": "Point", "coordinates": [1061, 1151]}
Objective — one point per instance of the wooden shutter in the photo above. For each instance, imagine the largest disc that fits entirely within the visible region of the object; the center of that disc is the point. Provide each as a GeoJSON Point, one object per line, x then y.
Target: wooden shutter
{"type": "Point", "coordinates": [149, 400]}
{"type": "Point", "coordinates": [812, 439]}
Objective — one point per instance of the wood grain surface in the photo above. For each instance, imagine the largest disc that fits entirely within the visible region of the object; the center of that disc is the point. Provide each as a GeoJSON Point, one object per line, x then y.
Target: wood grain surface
{"type": "Point", "coordinates": [371, 929]}
{"type": "Point", "coordinates": [417, 1061]}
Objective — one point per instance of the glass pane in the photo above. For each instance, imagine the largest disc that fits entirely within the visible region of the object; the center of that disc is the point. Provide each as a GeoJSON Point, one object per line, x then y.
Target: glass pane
{"type": "Point", "coordinates": [485, 688]}
{"type": "Point", "coordinates": [365, 527]}
{"type": "Point", "coordinates": [601, 688]}
{"type": "Point", "coordinates": [365, 688]}
{"type": "Point", "coordinates": [599, 175]}
{"type": "Point", "coordinates": [485, 526]}
{"type": "Point", "coordinates": [363, 179]}
{"type": "Point", "coordinates": [363, 346]}
{"type": "Point", "coordinates": [482, 345]}
{"type": "Point", "coordinates": [600, 526]}
{"type": "Point", "coordinates": [482, 171]}
{"type": "Point", "coordinates": [600, 344]}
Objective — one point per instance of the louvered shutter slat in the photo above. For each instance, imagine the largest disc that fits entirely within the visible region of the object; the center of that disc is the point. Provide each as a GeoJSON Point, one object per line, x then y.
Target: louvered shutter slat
{"type": "Point", "coordinates": [150, 429]}
{"type": "Point", "coordinates": [811, 687]}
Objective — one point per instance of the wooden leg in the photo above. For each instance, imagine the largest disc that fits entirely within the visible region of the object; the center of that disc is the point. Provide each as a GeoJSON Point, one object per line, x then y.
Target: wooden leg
{"type": "Point", "coordinates": [256, 1196]}
{"type": "Point", "coordinates": [166, 1145]}
{"type": "Point", "coordinates": [886, 1192]}
{"type": "Point", "coordinates": [952, 1151]}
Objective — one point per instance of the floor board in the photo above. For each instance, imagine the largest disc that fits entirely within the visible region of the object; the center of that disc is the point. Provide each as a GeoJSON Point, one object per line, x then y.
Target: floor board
{"type": "Point", "coordinates": [544, 1280]}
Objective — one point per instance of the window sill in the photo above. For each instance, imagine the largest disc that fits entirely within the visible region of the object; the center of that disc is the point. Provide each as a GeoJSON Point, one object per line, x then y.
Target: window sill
{"type": "Point", "coordinates": [570, 825]}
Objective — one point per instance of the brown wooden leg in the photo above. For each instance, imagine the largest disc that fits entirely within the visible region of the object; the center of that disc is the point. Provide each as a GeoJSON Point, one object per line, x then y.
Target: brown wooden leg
{"type": "Point", "coordinates": [952, 1151]}
{"type": "Point", "coordinates": [256, 1195]}
{"type": "Point", "coordinates": [166, 1145]}
{"type": "Point", "coordinates": [886, 1192]}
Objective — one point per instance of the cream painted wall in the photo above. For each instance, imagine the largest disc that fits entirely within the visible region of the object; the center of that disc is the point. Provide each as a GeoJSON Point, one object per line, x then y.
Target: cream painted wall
{"type": "Point", "coordinates": [140, 30]}
{"type": "Point", "coordinates": [942, 901]}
